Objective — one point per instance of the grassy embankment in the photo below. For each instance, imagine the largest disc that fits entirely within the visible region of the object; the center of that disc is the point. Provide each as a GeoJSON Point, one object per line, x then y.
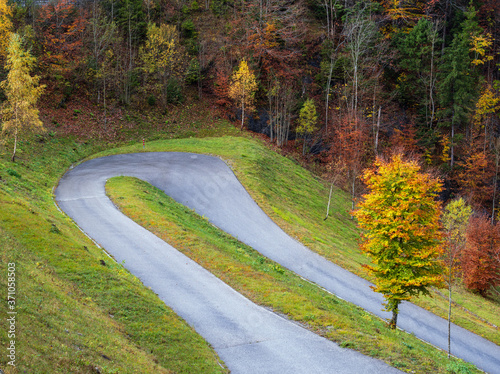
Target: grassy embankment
{"type": "Point", "coordinates": [78, 311]}
{"type": "Point", "coordinates": [296, 200]}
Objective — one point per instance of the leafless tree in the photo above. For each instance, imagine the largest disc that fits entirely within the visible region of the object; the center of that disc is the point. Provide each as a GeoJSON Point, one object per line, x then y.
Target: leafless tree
{"type": "Point", "coordinates": [359, 32]}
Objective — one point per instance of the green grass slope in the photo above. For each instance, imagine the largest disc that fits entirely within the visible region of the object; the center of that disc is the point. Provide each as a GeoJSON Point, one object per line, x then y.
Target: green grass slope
{"type": "Point", "coordinates": [78, 311]}
{"type": "Point", "coordinates": [268, 284]}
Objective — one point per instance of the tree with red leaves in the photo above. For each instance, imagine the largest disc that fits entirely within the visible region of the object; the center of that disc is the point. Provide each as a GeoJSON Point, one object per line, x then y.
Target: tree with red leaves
{"type": "Point", "coordinates": [481, 257]}
{"type": "Point", "coordinates": [352, 138]}
{"type": "Point", "coordinates": [221, 89]}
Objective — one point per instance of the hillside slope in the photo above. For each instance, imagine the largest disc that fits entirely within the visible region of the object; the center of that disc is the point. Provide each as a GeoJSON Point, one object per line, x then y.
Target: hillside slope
{"type": "Point", "coordinates": [81, 310]}
{"type": "Point", "coordinates": [78, 311]}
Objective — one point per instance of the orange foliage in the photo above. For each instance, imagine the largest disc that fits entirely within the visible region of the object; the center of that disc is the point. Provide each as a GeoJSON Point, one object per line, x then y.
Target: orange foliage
{"type": "Point", "coordinates": [61, 27]}
{"type": "Point", "coordinates": [481, 257]}
{"type": "Point", "coordinates": [221, 89]}
{"type": "Point", "coordinates": [405, 140]}
{"type": "Point", "coordinates": [475, 178]}
{"type": "Point", "coordinates": [352, 148]}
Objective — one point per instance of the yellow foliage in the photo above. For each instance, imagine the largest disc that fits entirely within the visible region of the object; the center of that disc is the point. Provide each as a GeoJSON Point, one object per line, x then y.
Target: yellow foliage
{"type": "Point", "coordinates": [243, 83]}
{"type": "Point", "coordinates": [19, 111]}
{"type": "Point", "coordinates": [243, 87]}
{"type": "Point", "coordinates": [479, 46]}
{"type": "Point", "coordinates": [163, 57]}
{"type": "Point", "coordinates": [5, 27]}
{"type": "Point", "coordinates": [408, 10]}
{"type": "Point", "coordinates": [162, 52]}
{"type": "Point", "coordinates": [307, 118]}
{"type": "Point", "coordinates": [445, 154]}
{"type": "Point", "coordinates": [400, 216]}
{"type": "Point", "coordinates": [488, 103]}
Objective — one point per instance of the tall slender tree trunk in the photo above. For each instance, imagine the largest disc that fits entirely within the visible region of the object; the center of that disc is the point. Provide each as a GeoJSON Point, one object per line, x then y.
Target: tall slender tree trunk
{"type": "Point", "coordinates": [328, 94]}
{"type": "Point", "coordinates": [104, 101]}
{"type": "Point", "coordinates": [353, 191]}
{"type": "Point", "coordinates": [432, 82]}
{"type": "Point", "coordinates": [443, 43]}
{"type": "Point", "coordinates": [452, 145]}
{"type": "Point", "coordinates": [449, 313]}
{"type": "Point", "coordinates": [495, 185]}
{"type": "Point", "coordinates": [15, 146]}
{"type": "Point", "coordinates": [242, 113]}
{"type": "Point", "coordinates": [354, 106]}
{"type": "Point", "coordinates": [271, 117]}
{"type": "Point", "coordinates": [378, 130]}
{"type": "Point", "coordinates": [329, 200]}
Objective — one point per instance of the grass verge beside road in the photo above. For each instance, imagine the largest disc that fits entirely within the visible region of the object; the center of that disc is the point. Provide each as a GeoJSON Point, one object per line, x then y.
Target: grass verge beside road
{"type": "Point", "coordinates": [78, 311]}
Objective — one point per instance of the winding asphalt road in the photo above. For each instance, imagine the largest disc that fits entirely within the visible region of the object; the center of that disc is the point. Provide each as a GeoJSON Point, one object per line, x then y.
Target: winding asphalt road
{"type": "Point", "coordinates": [247, 337]}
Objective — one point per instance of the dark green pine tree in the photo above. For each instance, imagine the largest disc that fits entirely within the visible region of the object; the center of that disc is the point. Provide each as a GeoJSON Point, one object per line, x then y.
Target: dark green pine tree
{"type": "Point", "coordinates": [459, 82]}
{"type": "Point", "coordinates": [417, 80]}
{"type": "Point", "coordinates": [131, 19]}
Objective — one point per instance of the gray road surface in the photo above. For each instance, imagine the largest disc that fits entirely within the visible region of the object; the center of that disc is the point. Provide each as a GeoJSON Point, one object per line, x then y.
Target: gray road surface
{"type": "Point", "coordinates": [247, 337]}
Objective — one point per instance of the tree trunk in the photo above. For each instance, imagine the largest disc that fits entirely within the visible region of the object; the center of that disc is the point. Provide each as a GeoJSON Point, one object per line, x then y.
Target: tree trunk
{"type": "Point", "coordinates": [495, 185]}
{"type": "Point", "coordinates": [452, 146]}
{"type": "Point", "coordinates": [353, 192]}
{"type": "Point", "coordinates": [329, 82]}
{"type": "Point", "coordinates": [104, 101]}
{"type": "Point", "coordinates": [394, 320]}
{"type": "Point", "coordinates": [242, 114]}
{"type": "Point", "coordinates": [271, 117]}
{"type": "Point", "coordinates": [15, 147]}
{"type": "Point", "coordinates": [329, 200]}
{"type": "Point", "coordinates": [449, 316]}
{"type": "Point", "coordinates": [378, 130]}
{"type": "Point", "coordinates": [432, 83]}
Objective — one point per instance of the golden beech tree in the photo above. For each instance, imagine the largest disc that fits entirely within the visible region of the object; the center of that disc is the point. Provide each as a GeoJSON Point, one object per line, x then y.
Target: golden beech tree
{"type": "Point", "coordinates": [242, 88]}
{"type": "Point", "coordinates": [401, 219]}
{"type": "Point", "coordinates": [19, 112]}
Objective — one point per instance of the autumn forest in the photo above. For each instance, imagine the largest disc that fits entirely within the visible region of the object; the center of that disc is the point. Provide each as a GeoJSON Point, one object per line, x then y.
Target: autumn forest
{"type": "Point", "coordinates": [339, 82]}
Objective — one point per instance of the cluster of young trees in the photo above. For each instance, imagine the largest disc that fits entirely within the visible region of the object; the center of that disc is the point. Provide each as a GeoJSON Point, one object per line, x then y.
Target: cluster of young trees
{"type": "Point", "coordinates": [121, 51]}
